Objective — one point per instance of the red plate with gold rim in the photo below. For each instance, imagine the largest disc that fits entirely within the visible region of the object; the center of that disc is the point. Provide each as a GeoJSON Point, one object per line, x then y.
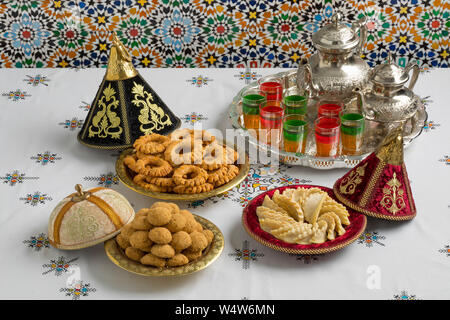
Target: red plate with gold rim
{"type": "Point", "coordinates": [251, 224]}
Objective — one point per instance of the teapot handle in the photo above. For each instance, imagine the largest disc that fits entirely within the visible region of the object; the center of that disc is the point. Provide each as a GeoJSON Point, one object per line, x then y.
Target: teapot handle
{"type": "Point", "coordinates": [361, 27]}
{"type": "Point", "coordinates": [360, 102]}
{"type": "Point", "coordinates": [416, 70]}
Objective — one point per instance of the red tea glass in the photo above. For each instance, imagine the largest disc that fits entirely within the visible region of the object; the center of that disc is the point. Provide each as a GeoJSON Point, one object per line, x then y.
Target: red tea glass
{"type": "Point", "coordinates": [271, 88]}
{"type": "Point", "coordinates": [329, 110]}
{"type": "Point", "coordinates": [271, 119]}
{"type": "Point", "coordinates": [327, 131]}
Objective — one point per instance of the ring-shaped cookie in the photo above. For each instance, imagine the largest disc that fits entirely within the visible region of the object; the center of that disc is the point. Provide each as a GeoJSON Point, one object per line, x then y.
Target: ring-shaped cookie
{"type": "Point", "coordinates": [139, 179]}
{"type": "Point", "coordinates": [152, 143]}
{"type": "Point", "coordinates": [181, 152]}
{"type": "Point", "coordinates": [153, 166]}
{"type": "Point", "coordinates": [189, 176]}
{"type": "Point", "coordinates": [194, 189]}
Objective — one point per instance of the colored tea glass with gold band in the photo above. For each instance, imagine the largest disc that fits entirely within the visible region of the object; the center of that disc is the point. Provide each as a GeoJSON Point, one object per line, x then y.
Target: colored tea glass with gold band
{"type": "Point", "coordinates": [329, 109]}
{"type": "Point", "coordinates": [271, 88]}
{"type": "Point", "coordinates": [295, 104]}
{"type": "Point", "coordinates": [327, 136]}
{"type": "Point", "coordinates": [295, 132]}
{"type": "Point", "coordinates": [251, 100]}
{"type": "Point", "coordinates": [271, 120]}
{"type": "Point", "coordinates": [352, 129]}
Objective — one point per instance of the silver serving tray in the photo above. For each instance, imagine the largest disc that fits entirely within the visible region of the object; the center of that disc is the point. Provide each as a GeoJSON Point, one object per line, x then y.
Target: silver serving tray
{"type": "Point", "coordinates": [373, 134]}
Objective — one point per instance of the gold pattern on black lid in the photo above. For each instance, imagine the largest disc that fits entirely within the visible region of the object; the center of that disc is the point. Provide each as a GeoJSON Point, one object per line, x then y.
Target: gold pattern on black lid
{"type": "Point", "coordinates": [391, 149]}
{"type": "Point", "coordinates": [120, 66]}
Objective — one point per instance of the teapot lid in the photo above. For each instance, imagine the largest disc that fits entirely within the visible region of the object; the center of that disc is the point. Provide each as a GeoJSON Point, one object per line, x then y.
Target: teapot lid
{"type": "Point", "coordinates": [389, 73]}
{"type": "Point", "coordinates": [335, 36]}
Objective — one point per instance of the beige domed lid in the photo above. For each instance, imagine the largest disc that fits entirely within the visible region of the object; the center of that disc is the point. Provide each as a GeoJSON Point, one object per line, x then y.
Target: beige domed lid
{"type": "Point", "coordinates": [335, 36]}
{"type": "Point", "coordinates": [389, 73]}
{"type": "Point", "coordinates": [86, 218]}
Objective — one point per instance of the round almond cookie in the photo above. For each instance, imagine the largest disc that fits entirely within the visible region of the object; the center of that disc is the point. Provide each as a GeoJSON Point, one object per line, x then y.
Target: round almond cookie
{"type": "Point", "coordinates": [140, 240]}
{"type": "Point", "coordinates": [173, 207]}
{"type": "Point", "coordinates": [192, 255]}
{"type": "Point", "coordinates": [209, 235]}
{"type": "Point", "coordinates": [159, 216]}
{"type": "Point", "coordinates": [181, 240]}
{"type": "Point", "coordinates": [199, 241]}
{"type": "Point", "coordinates": [140, 222]}
{"type": "Point", "coordinates": [127, 231]}
{"type": "Point", "coordinates": [160, 235]}
{"type": "Point", "coordinates": [163, 250]}
{"type": "Point", "coordinates": [177, 222]}
{"type": "Point", "coordinates": [122, 242]}
{"type": "Point", "coordinates": [177, 260]}
{"type": "Point", "coordinates": [134, 254]}
{"type": "Point", "coordinates": [152, 260]}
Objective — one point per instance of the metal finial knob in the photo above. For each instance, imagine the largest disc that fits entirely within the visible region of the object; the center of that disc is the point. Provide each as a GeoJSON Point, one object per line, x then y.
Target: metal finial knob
{"type": "Point", "coordinates": [336, 18]}
{"type": "Point", "coordinates": [389, 57]}
{"type": "Point", "coordinates": [80, 195]}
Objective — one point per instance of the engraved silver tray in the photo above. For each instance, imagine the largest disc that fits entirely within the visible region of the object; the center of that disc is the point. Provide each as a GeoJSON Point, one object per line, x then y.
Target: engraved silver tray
{"type": "Point", "coordinates": [373, 134]}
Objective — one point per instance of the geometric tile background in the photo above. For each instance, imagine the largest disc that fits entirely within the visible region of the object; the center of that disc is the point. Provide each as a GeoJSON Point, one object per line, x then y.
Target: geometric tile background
{"type": "Point", "coordinates": [213, 33]}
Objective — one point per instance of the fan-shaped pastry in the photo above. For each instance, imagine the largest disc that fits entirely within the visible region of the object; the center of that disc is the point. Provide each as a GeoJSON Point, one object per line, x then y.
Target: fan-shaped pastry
{"type": "Point", "coordinates": [293, 208]}
{"type": "Point", "coordinates": [331, 224]}
{"type": "Point", "coordinates": [312, 206]}
{"type": "Point", "coordinates": [339, 229]}
{"type": "Point", "coordinates": [272, 205]}
{"type": "Point", "coordinates": [293, 233]}
{"type": "Point", "coordinates": [337, 208]}
{"type": "Point", "coordinates": [320, 232]}
{"type": "Point", "coordinates": [264, 212]}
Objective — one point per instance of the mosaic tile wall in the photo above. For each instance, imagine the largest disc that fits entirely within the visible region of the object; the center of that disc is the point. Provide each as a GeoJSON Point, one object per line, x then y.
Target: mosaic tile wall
{"type": "Point", "coordinates": [213, 33]}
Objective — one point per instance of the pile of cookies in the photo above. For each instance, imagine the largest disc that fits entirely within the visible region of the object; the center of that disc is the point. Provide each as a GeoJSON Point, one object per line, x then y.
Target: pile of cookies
{"type": "Point", "coordinates": [302, 216]}
{"type": "Point", "coordinates": [164, 236]}
{"type": "Point", "coordinates": [185, 162]}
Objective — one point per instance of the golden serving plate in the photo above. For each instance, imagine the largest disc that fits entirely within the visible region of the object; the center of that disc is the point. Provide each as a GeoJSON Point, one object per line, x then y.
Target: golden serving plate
{"type": "Point", "coordinates": [126, 177]}
{"type": "Point", "coordinates": [210, 254]}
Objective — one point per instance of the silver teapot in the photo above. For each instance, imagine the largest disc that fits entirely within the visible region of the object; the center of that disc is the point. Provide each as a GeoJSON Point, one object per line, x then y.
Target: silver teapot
{"type": "Point", "coordinates": [336, 69]}
{"type": "Point", "coordinates": [388, 99]}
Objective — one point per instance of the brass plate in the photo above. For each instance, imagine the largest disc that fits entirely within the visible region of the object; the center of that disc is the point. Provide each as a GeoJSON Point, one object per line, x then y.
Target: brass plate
{"type": "Point", "coordinates": [210, 254]}
{"type": "Point", "coordinates": [124, 175]}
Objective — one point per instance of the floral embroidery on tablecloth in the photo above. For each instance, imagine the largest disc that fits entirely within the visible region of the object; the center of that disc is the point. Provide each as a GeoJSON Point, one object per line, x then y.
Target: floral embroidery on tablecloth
{"type": "Point", "coordinates": [369, 238]}
{"type": "Point", "coordinates": [16, 177]}
{"type": "Point", "coordinates": [72, 124]}
{"type": "Point", "coordinates": [33, 199]}
{"type": "Point", "coordinates": [37, 80]}
{"type": "Point", "coordinates": [38, 242]}
{"type": "Point", "coordinates": [404, 295]}
{"type": "Point", "coordinates": [445, 250]}
{"type": "Point", "coordinates": [246, 255]}
{"type": "Point", "coordinates": [446, 160]}
{"type": "Point", "coordinates": [199, 81]}
{"type": "Point", "coordinates": [104, 180]}
{"type": "Point", "coordinates": [80, 289]}
{"type": "Point", "coordinates": [16, 95]}
{"type": "Point", "coordinates": [58, 266]}
{"type": "Point", "coordinates": [85, 106]}
{"type": "Point", "coordinates": [305, 258]}
{"type": "Point", "coordinates": [46, 157]}
{"type": "Point", "coordinates": [193, 118]}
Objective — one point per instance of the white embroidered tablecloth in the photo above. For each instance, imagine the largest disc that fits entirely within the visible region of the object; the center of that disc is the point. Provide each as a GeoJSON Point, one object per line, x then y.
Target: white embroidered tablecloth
{"type": "Point", "coordinates": [41, 113]}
